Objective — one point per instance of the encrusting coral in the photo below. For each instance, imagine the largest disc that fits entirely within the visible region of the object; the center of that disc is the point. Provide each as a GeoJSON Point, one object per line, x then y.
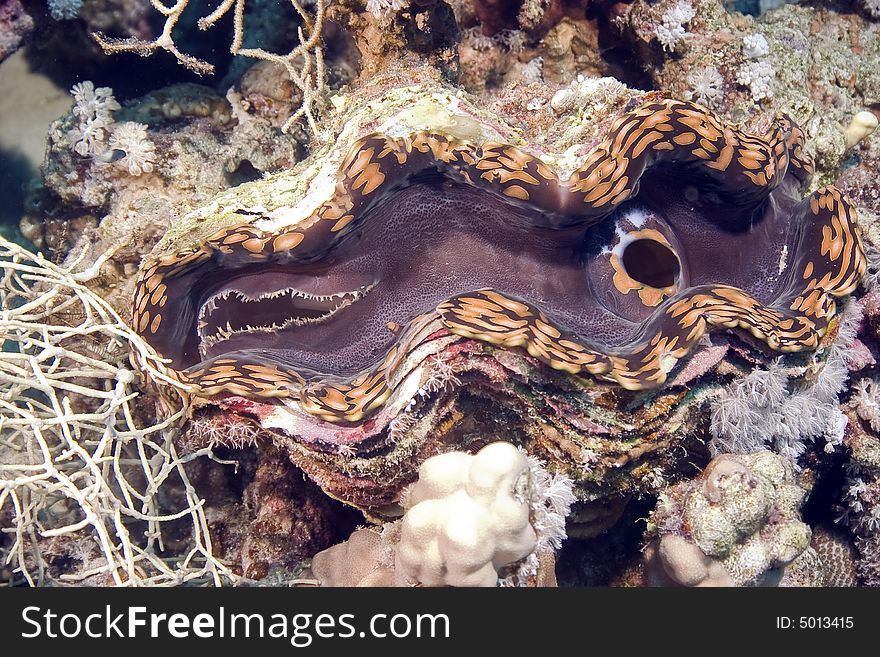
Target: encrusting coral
{"type": "Point", "coordinates": [737, 524]}
{"type": "Point", "coordinates": [15, 25]}
{"type": "Point", "coordinates": [812, 63]}
{"type": "Point", "coordinates": [859, 502]}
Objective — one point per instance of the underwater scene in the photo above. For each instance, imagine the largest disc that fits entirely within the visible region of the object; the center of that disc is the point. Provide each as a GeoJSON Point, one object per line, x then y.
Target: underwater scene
{"type": "Point", "coordinates": [397, 293]}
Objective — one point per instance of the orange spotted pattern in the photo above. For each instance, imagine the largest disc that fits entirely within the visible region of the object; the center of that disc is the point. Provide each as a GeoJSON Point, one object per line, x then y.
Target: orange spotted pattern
{"type": "Point", "coordinates": [746, 167]}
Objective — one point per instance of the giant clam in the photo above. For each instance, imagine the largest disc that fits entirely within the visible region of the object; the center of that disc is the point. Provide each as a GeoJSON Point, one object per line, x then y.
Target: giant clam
{"type": "Point", "coordinates": [331, 300]}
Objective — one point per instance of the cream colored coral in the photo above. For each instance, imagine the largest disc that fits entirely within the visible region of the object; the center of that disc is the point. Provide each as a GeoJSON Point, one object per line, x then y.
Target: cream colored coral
{"type": "Point", "coordinates": [85, 466]}
{"type": "Point", "coordinates": [861, 126]}
{"type": "Point", "coordinates": [363, 560]}
{"type": "Point", "coordinates": [737, 525]}
{"type": "Point", "coordinates": [682, 563]}
{"type": "Point", "coordinates": [467, 517]}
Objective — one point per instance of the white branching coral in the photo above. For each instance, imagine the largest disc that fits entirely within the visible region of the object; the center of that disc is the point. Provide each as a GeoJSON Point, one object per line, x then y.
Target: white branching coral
{"type": "Point", "coordinates": [672, 31]}
{"type": "Point", "coordinates": [758, 77]}
{"type": "Point", "coordinates": [83, 461]}
{"type": "Point", "coordinates": [755, 46]}
{"type": "Point", "coordinates": [93, 109]}
{"type": "Point", "coordinates": [92, 102]}
{"type": "Point", "coordinates": [304, 63]}
{"type": "Point", "coordinates": [139, 153]}
{"type": "Point", "coordinates": [88, 137]}
{"type": "Point", "coordinates": [765, 408]}
{"type": "Point", "coordinates": [550, 500]}
{"type": "Point", "coordinates": [706, 85]}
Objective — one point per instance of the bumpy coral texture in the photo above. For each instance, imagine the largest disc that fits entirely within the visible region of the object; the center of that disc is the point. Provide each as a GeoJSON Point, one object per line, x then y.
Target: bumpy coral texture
{"type": "Point", "coordinates": [470, 520]}
{"type": "Point", "coordinates": [466, 517]}
{"type": "Point", "coordinates": [365, 559]}
{"type": "Point", "coordinates": [15, 25]}
{"type": "Point", "coordinates": [738, 524]}
{"type": "Point", "coordinates": [758, 77]}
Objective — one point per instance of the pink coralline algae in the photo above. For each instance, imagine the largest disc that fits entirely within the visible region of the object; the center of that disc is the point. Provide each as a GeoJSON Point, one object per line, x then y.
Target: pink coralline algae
{"type": "Point", "coordinates": [15, 25]}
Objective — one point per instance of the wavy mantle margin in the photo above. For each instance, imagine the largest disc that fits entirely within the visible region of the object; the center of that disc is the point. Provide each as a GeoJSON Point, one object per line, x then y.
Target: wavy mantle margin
{"type": "Point", "coordinates": [829, 261]}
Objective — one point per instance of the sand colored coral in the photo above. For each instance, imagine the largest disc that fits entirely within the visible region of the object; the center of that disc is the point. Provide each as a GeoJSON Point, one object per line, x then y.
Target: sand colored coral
{"type": "Point", "coordinates": [467, 517]}
{"type": "Point", "coordinates": [738, 524]}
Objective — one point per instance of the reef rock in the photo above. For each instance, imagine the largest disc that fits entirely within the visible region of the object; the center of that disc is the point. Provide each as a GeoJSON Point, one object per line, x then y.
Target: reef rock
{"type": "Point", "coordinates": [432, 273]}
{"type": "Point", "coordinates": [737, 524]}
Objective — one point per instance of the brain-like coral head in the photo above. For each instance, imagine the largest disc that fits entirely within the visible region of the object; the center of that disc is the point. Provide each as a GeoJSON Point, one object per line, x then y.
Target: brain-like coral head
{"type": "Point", "coordinates": [468, 520]}
{"type": "Point", "coordinates": [675, 224]}
{"type": "Point", "coordinates": [467, 516]}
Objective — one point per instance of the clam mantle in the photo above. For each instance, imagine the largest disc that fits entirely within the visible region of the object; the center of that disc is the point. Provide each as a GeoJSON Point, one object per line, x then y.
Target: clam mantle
{"type": "Point", "coordinates": [430, 226]}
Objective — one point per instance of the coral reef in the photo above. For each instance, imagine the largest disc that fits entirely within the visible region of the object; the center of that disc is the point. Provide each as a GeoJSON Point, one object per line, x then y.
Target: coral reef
{"type": "Point", "coordinates": [292, 518]}
{"type": "Point", "coordinates": [468, 520]}
{"type": "Point", "coordinates": [763, 408]}
{"type": "Point", "coordinates": [838, 556]}
{"type": "Point", "coordinates": [431, 365]}
{"type": "Point", "coordinates": [75, 440]}
{"type": "Point", "coordinates": [797, 60]}
{"type": "Point", "coordinates": [859, 506]}
{"type": "Point", "coordinates": [473, 277]}
{"type": "Point", "coordinates": [144, 160]}
{"type": "Point", "coordinates": [365, 559]}
{"type": "Point", "coordinates": [465, 518]}
{"type": "Point", "coordinates": [304, 63]}
{"type": "Point", "coordinates": [737, 524]}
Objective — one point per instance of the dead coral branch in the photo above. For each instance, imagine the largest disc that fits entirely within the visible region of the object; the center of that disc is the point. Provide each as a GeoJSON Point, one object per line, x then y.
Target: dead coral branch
{"type": "Point", "coordinates": [304, 63]}
{"type": "Point", "coordinates": [86, 466]}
